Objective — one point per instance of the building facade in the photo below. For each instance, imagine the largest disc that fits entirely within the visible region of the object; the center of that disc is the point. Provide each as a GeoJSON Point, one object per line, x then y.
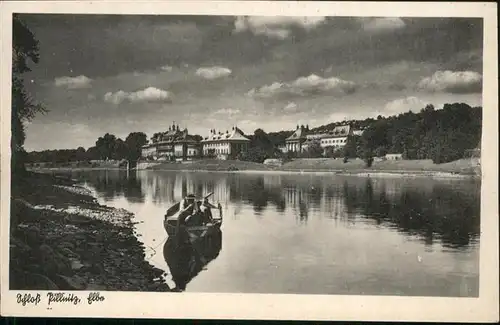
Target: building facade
{"type": "Point", "coordinates": [394, 156]}
{"type": "Point", "coordinates": [225, 145]}
{"type": "Point", "coordinates": [294, 142]}
{"type": "Point", "coordinates": [336, 138]}
{"type": "Point", "coordinates": [173, 145]}
{"type": "Point", "coordinates": [301, 139]}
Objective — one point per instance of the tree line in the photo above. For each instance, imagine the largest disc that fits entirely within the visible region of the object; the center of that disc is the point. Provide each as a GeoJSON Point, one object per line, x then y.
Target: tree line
{"type": "Point", "coordinates": [441, 135]}
{"type": "Point", "coordinates": [107, 147]}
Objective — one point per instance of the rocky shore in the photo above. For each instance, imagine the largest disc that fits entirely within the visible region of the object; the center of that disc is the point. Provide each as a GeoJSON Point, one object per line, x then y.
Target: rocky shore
{"type": "Point", "coordinates": [62, 239]}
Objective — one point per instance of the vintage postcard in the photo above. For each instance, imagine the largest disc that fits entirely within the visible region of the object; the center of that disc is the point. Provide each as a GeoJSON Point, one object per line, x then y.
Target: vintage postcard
{"type": "Point", "coordinates": [250, 160]}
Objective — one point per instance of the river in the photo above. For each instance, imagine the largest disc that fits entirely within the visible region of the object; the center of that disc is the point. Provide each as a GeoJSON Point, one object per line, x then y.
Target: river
{"type": "Point", "coordinates": [307, 234]}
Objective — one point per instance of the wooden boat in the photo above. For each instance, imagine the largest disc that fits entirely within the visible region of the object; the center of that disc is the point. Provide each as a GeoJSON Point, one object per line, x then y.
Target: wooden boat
{"type": "Point", "coordinates": [175, 225]}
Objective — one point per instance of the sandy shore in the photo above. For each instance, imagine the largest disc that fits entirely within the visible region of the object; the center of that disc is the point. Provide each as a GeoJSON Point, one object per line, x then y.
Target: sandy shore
{"type": "Point", "coordinates": [62, 239]}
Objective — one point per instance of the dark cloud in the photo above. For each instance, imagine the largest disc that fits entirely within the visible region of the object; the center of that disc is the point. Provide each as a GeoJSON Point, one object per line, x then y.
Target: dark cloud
{"type": "Point", "coordinates": [421, 40]}
{"type": "Point", "coordinates": [103, 45]}
{"type": "Point", "coordinates": [134, 71]}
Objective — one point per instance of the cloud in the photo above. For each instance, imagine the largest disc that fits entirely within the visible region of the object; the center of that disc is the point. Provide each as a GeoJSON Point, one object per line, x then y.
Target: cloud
{"type": "Point", "coordinates": [304, 86]}
{"type": "Point", "coordinates": [455, 82]}
{"type": "Point", "coordinates": [382, 24]}
{"type": "Point", "coordinates": [402, 105]}
{"type": "Point", "coordinates": [290, 107]}
{"type": "Point", "coordinates": [166, 68]}
{"type": "Point", "coordinates": [73, 82]}
{"type": "Point", "coordinates": [213, 72]}
{"type": "Point", "coordinates": [227, 112]}
{"type": "Point", "coordinates": [150, 94]}
{"type": "Point", "coordinates": [274, 27]}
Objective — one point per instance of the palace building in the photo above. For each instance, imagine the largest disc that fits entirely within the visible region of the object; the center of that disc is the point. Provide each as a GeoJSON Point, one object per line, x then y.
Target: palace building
{"type": "Point", "coordinates": [302, 138]}
{"type": "Point", "coordinates": [227, 145]}
{"type": "Point", "coordinates": [336, 138]}
{"type": "Point", "coordinates": [296, 140]}
{"type": "Point", "coordinates": [174, 144]}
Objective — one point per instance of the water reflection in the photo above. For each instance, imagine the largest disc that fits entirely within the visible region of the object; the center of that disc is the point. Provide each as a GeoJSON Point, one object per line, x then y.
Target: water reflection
{"type": "Point", "coordinates": [427, 209]}
{"type": "Point", "coordinates": [312, 234]}
{"type": "Point", "coordinates": [432, 211]}
{"type": "Point", "coordinates": [112, 183]}
{"type": "Point", "coordinates": [187, 261]}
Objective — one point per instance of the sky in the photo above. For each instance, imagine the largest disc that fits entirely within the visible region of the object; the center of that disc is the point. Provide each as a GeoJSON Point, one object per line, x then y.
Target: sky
{"type": "Point", "coordinates": [119, 74]}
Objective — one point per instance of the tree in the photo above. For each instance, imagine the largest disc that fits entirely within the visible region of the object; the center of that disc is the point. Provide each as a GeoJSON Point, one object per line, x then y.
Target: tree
{"type": "Point", "coordinates": [80, 154]}
{"type": "Point", "coordinates": [197, 137]}
{"type": "Point", "coordinates": [260, 148]}
{"type": "Point", "coordinates": [380, 151]}
{"type": "Point", "coordinates": [314, 150]}
{"type": "Point", "coordinates": [156, 137]}
{"type": "Point", "coordinates": [351, 146]}
{"type": "Point", "coordinates": [106, 146]}
{"type": "Point", "coordinates": [255, 154]}
{"type": "Point", "coordinates": [120, 150]}
{"type": "Point", "coordinates": [329, 152]}
{"type": "Point", "coordinates": [24, 49]}
{"type": "Point", "coordinates": [368, 158]}
{"type": "Point", "coordinates": [134, 143]}
{"type": "Point", "coordinates": [92, 153]}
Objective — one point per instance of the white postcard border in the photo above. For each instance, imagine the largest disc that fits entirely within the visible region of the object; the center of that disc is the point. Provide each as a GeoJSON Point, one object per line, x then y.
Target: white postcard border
{"type": "Point", "coordinates": [273, 306]}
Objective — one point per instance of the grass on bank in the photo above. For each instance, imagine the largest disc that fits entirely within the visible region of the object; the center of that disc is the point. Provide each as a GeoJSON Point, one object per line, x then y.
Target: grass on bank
{"type": "Point", "coordinates": [463, 166]}
{"type": "Point", "coordinates": [458, 166]}
{"type": "Point", "coordinates": [212, 165]}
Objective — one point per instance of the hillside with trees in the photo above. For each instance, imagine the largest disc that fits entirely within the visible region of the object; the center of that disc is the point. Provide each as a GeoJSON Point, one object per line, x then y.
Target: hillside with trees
{"type": "Point", "coordinates": [441, 135]}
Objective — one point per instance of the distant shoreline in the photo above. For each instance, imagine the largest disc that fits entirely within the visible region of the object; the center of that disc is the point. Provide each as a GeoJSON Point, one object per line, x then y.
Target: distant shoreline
{"type": "Point", "coordinates": [358, 173]}
{"type": "Point", "coordinates": [364, 173]}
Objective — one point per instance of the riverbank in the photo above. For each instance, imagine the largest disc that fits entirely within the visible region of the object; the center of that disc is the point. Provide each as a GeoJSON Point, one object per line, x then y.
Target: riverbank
{"type": "Point", "coordinates": [463, 168]}
{"type": "Point", "coordinates": [62, 239]}
{"type": "Point", "coordinates": [355, 167]}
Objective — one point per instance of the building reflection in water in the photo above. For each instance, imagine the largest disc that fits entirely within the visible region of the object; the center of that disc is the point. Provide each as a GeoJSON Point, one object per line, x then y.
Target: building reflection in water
{"type": "Point", "coordinates": [186, 261]}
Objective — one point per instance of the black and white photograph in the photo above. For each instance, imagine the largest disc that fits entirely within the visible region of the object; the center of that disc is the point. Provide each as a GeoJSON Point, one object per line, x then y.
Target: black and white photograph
{"type": "Point", "coordinates": [291, 155]}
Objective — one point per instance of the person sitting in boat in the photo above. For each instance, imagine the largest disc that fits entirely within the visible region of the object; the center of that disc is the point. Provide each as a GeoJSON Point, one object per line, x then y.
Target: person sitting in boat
{"type": "Point", "coordinates": [206, 210]}
{"type": "Point", "coordinates": [190, 199]}
{"type": "Point", "coordinates": [190, 202]}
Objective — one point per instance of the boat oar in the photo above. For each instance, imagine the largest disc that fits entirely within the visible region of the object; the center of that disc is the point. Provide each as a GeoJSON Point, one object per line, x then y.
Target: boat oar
{"type": "Point", "coordinates": [208, 195]}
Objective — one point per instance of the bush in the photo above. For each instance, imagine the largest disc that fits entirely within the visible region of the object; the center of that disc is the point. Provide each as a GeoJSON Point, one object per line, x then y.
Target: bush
{"type": "Point", "coordinates": [380, 152]}
{"type": "Point", "coordinates": [369, 162]}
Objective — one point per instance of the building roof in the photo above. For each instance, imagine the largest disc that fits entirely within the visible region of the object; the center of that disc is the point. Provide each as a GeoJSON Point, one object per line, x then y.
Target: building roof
{"type": "Point", "coordinates": [300, 133]}
{"type": "Point", "coordinates": [309, 142]}
{"type": "Point", "coordinates": [341, 131]}
{"type": "Point", "coordinates": [235, 134]}
{"type": "Point", "coordinates": [172, 136]}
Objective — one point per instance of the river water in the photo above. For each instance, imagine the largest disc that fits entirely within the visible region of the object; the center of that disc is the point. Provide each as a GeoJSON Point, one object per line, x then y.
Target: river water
{"type": "Point", "coordinates": [310, 234]}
